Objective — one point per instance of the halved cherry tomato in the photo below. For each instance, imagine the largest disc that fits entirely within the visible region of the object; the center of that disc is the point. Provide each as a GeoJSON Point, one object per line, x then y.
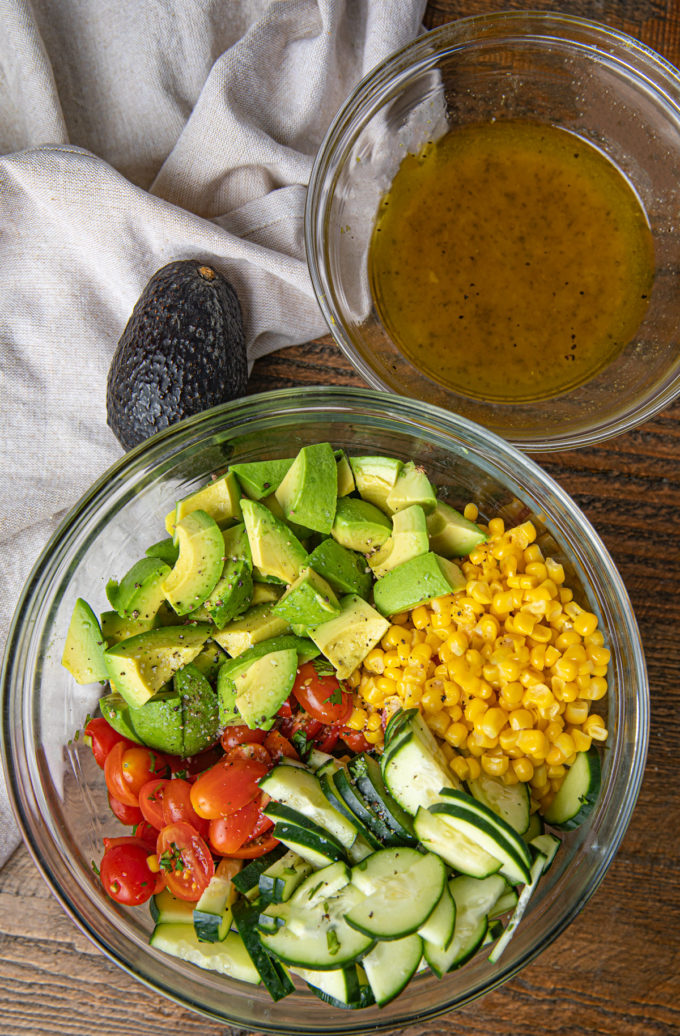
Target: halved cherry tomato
{"type": "Point", "coordinates": [279, 746]}
{"type": "Point", "coordinates": [146, 833]}
{"type": "Point", "coordinates": [127, 769]}
{"type": "Point", "coordinates": [126, 814]}
{"type": "Point", "coordinates": [125, 874]}
{"type": "Point", "coordinates": [323, 697]}
{"type": "Point", "coordinates": [110, 843]}
{"type": "Point", "coordinates": [288, 707]}
{"type": "Point", "coordinates": [355, 740]}
{"type": "Point", "coordinates": [239, 734]}
{"type": "Point", "coordinates": [327, 738]}
{"type": "Point", "coordinates": [176, 805]}
{"type": "Point", "coordinates": [102, 737]}
{"type": "Point", "coordinates": [263, 824]}
{"type": "Point", "coordinates": [250, 752]}
{"type": "Point", "coordinates": [256, 847]}
{"type": "Point", "coordinates": [151, 797]}
{"type": "Point", "coordinates": [227, 786]}
{"type": "Point", "coordinates": [185, 860]}
{"type": "Point", "coordinates": [188, 767]}
{"type": "Point", "coordinates": [227, 834]}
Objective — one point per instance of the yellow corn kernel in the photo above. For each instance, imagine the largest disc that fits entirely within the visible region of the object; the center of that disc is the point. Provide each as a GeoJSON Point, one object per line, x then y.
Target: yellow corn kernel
{"type": "Point", "coordinates": [523, 769]}
{"type": "Point", "coordinates": [432, 700]}
{"type": "Point", "coordinates": [523, 535]}
{"type": "Point", "coordinates": [594, 726]}
{"type": "Point", "coordinates": [551, 656]}
{"type": "Point", "coordinates": [533, 743]}
{"type": "Point", "coordinates": [537, 656]}
{"type": "Point", "coordinates": [374, 737]}
{"type": "Point", "coordinates": [471, 512]}
{"type": "Point", "coordinates": [565, 669]}
{"type": "Point", "coordinates": [375, 661]}
{"type": "Point", "coordinates": [541, 634]}
{"type": "Point", "coordinates": [153, 863]}
{"type": "Point", "coordinates": [566, 595]}
{"type": "Point", "coordinates": [451, 693]}
{"type": "Point", "coordinates": [474, 710]}
{"type": "Point", "coordinates": [357, 721]}
{"type": "Point", "coordinates": [554, 729]}
{"type": "Point", "coordinates": [540, 779]}
{"type": "Point", "coordinates": [456, 734]}
{"type": "Point", "coordinates": [455, 712]}
{"type": "Point", "coordinates": [492, 722]}
{"type": "Point", "coordinates": [521, 719]}
{"type": "Point", "coordinates": [576, 712]}
{"type": "Point", "coordinates": [511, 695]}
{"type": "Point", "coordinates": [582, 741]}
{"type": "Point", "coordinates": [502, 603]}
{"type": "Point", "coordinates": [374, 696]}
{"type": "Point", "coordinates": [524, 623]}
{"type": "Point", "coordinates": [474, 768]}
{"type": "Point", "coordinates": [374, 721]}
{"type": "Point", "coordinates": [534, 567]}
{"type": "Point", "coordinates": [460, 767]}
{"type": "Point", "coordinates": [420, 654]}
{"type": "Point", "coordinates": [555, 570]}
{"type": "Point", "coordinates": [597, 689]}
{"type": "Point", "coordinates": [494, 764]}
{"type": "Point", "coordinates": [507, 739]}
{"type": "Point", "coordinates": [420, 617]}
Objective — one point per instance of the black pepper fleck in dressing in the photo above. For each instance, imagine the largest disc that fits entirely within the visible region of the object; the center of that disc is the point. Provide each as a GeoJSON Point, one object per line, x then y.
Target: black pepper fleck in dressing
{"type": "Point", "coordinates": [511, 261]}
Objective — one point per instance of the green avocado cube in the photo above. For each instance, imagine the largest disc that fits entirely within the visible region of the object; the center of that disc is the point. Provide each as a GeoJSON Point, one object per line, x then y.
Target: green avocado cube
{"type": "Point", "coordinates": [260, 478]}
{"type": "Point", "coordinates": [199, 565]}
{"type": "Point", "coordinates": [275, 507]}
{"type": "Point", "coordinates": [262, 688]}
{"type": "Point", "coordinates": [200, 719]}
{"type": "Point", "coordinates": [345, 570]}
{"type": "Point", "coordinates": [258, 623]}
{"type": "Point", "coordinates": [416, 581]}
{"type": "Point", "coordinates": [346, 484]}
{"type": "Point", "coordinates": [158, 723]}
{"type": "Point", "coordinates": [83, 654]}
{"type": "Point", "coordinates": [309, 491]}
{"type": "Point", "coordinates": [452, 535]}
{"type": "Point", "coordinates": [408, 540]}
{"type": "Point", "coordinates": [116, 712]}
{"type": "Point", "coordinates": [232, 594]}
{"type": "Point", "coordinates": [226, 688]}
{"type": "Point", "coordinates": [220, 499]}
{"type": "Point", "coordinates": [167, 550]}
{"type": "Point", "coordinates": [275, 550]}
{"type": "Point", "coordinates": [140, 666]}
{"type": "Point", "coordinates": [346, 639]}
{"type": "Point", "coordinates": [139, 594]}
{"type": "Point", "coordinates": [412, 487]}
{"type": "Point", "coordinates": [209, 660]}
{"type": "Point", "coordinates": [308, 601]}
{"type": "Point", "coordinates": [236, 545]}
{"type": "Point", "coordinates": [360, 525]}
{"type": "Point", "coordinates": [375, 477]}
{"type": "Point", "coordinates": [115, 629]}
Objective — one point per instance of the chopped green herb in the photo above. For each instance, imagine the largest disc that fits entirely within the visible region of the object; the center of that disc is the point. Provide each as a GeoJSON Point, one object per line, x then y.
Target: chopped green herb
{"type": "Point", "coordinates": [332, 942]}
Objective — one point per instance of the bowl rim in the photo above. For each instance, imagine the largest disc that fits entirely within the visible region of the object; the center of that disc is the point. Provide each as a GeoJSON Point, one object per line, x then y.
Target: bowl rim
{"type": "Point", "coordinates": [551, 25]}
{"type": "Point", "coordinates": [416, 417]}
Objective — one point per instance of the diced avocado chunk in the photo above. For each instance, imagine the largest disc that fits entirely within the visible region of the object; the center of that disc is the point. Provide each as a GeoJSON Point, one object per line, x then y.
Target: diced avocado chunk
{"type": "Point", "coordinates": [309, 491]}
{"type": "Point", "coordinates": [273, 505]}
{"type": "Point", "coordinates": [266, 593]}
{"type": "Point", "coordinates": [167, 550]}
{"type": "Point", "coordinates": [308, 601]}
{"type": "Point", "coordinates": [84, 648]}
{"type": "Point", "coordinates": [375, 477]}
{"type": "Point", "coordinates": [412, 487]}
{"type": "Point", "coordinates": [345, 570]}
{"type": "Point", "coordinates": [258, 623]}
{"type": "Point", "coordinates": [232, 594]}
{"type": "Point", "coordinates": [209, 660]}
{"type": "Point", "coordinates": [236, 545]}
{"type": "Point", "coordinates": [226, 688]}
{"type": "Point", "coordinates": [452, 535]}
{"type": "Point", "coordinates": [116, 712]}
{"type": "Point", "coordinates": [140, 666]}
{"type": "Point", "coordinates": [416, 581]}
{"type": "Point", "coordinates": [158, 723]}
{"type": "Point", "coordinates": [115, 629]}
{"type": "Point", "coordinates": [139, 594]}
{"type": "Point", "coordinates": [220, 499]}
{"type": "Point", "coordinates": [274, 548]}
{"type": "Point", "coordinates": [360, 525]}
{"type": "Point", "coordinates": [200, 720]}
{"type": "Point", "coordinates": [346, 483]}
{"type": "Point", "coordinates": [347, 639]}
{"type": "Point", "coordinates": [261, 477]}
{"type": "Point", "coordinates": [199, 565]}
{"type": "Point", "coordinates": [408, 540]}
{"type": "Point", "coordinates": [262, 688]}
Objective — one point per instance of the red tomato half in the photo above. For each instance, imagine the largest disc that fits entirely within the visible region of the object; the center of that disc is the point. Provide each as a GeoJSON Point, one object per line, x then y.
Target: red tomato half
{"type": "Point", "coordinates": [128, 768]}
{"type": "Point", "coordinates": [176, 805]}
{"type": "Point", "coordinates": [227, 834]}
{"type": "Point", "coordinates": [151, 797]}
{"type": "Point", "coordinates": [355, 740]}
{"type": "Point", "coordinates": [323, 697]}
{"type": "Point", "coordinates": [256, 847]}
{"type": "Point", "coordinates": [227, 786]}
{"type": "Point", "coordinates": [128, 815]}
{"type": "Point", "coordinates": [125, 874]}
{"type": "Point", "coordinates": [250, 752]}
{"type": "Point", "coordinates": [186, 862]}
{"type": "Point", "coordinates": [239, 734]}
{"type": "Point", "coordinates": [279, 746]}
{"type": "Point", "coordinates": [101, 737]}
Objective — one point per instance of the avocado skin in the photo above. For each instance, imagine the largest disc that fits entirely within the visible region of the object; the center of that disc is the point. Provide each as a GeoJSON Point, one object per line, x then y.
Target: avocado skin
{"type": "Point", "coordinates": [182, 351]}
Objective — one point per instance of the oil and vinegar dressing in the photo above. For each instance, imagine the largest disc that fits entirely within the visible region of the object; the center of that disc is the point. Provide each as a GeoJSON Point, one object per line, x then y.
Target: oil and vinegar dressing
{"type": "Point", "coordinates": [511, 261]}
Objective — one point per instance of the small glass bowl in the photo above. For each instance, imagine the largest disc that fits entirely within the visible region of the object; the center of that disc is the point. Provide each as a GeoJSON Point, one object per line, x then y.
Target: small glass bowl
{"type": "Point", "coordinates": [59, 794]}
{"type": "Point", "coordinates": [598, 83]}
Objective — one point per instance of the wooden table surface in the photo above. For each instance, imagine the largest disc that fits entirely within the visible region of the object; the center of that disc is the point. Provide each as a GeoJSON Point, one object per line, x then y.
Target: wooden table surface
{"type": "Point", "coordinates": [616, 970]}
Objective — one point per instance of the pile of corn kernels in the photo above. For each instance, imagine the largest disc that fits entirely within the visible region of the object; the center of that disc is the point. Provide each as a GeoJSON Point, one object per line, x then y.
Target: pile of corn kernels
{"type": "Point", "coordinates": [505, 672]}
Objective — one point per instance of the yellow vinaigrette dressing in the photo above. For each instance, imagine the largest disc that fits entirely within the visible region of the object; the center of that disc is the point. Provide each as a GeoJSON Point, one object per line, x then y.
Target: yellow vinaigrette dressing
{"type": "Point", "coordinates": [510, 261]}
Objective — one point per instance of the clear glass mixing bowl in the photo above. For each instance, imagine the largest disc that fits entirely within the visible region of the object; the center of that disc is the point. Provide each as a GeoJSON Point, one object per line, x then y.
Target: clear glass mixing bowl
{"type": "Point", "coordinates": [551, 68]}
{"type": "Point", "coordinates": [59, 793]}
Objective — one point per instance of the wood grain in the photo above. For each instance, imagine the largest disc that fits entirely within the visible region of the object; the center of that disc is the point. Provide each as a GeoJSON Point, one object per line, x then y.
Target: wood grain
{"type": "Point", "coordinates": [615, 971]}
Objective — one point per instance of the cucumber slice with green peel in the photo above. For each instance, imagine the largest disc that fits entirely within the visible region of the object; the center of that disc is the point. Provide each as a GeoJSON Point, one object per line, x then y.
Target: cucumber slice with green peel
{"type": "Point", "coordinates": [396, 723]}
{"type": "Point", "coordinates": [228, 957]}
{"type": "Point", "coordinates": [339, 987]}
{"type": "Point", "coordinates": [391, 965]}
{"type": "Point", "coordinates": [475, 827]}
{"type": "Point", "coordinates": [413, 775]}
{"type": "Point", "coordinates": [247, 879]}
{"type": "Point", "coordinates": [366, 775]}
{"type": "Point", "coordinates": [548, 845]}
{"type": "Point", "coordinates": [459, 850]}
{"type": "Point", "coordinates": [278, 883]}
{"type": "Point", "coordinates": [274, 978]}
{"type": "Point", "coordinates": [438, 929]}
{"type": "Point", "coordinates": [538, 868]}
{"type": "Point", "coordinates": [536, 827]}
{"type": "Point", "coordinates": [509, 801]}
{"type": "Point", "coordinates": [516, 843]}
{"type": "Point", "coordinates": [302, 791]}
{"type": "Point", "coordinates": [212, 913]}
{"type": "Point", "coordinates": [372, 828]}
{"type": "Point", "coordinates": [400, 887]}
{"type": "Point", "coordinates": [473, 898]}
{"type": "Point", "coordinates": [505, 902]}
{"type": "Point", "coordinates": [168, 909]}
{"type": "Point", "coordinates": [317, 849]}
{"type": "Point", "coordinates": [578, 793]}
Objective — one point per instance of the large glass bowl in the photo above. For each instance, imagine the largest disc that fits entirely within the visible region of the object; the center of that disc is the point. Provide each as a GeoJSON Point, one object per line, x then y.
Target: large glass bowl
{"type": "Point", "coordinates": [59, 793]}
{"type": "Point", "coordinates": [545, 68]}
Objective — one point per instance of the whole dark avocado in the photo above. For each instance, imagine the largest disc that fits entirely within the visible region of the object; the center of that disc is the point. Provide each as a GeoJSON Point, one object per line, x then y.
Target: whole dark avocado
{"type": "Point", "coordinates": [182, 351]}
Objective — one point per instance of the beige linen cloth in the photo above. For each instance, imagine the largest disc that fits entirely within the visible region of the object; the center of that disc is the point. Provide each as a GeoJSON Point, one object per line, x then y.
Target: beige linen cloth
{"type": "Point", "coordinates": [136, 132]}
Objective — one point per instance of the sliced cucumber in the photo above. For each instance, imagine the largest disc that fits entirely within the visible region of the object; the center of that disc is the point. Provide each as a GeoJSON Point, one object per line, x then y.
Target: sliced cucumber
{"type": "Point", "coordinates": [400, 887]}
{"type": "Point", "coordinates": [488, 822]}
{"type": "Point", "coordinates": [537, 870]}
{"type": "Point", "coordinates": [474, 898]}
{"type": "Point", "coordinates": [508, 801]}
{"type": "Point", "coordinates": [413, 775]}
{"type": "Point", "coordinates": [228, 957]}
{"type": "Point", "coordinates": [166, 908]}
{"type": "Point", "coordinates": [390, 966]}
{"type": "Point", "coordinates": [547, 845]}
{"type": "Point", "coordinates": [397, 722]}
{"type": "Point", "coordinates": [505, 902]}
{"type": "Point", "coordinates": [279, 881]}
{"type": "Point", "coordinates": [212, 913]}
{"type": "Point", "coordinates": [302, 791]}
{"type": "Point", "coordinates": [339, 987]}
{"type": "Point", "coordinates": [247, 880]}
{"type": "Point", "coordinates": [371, 827]}
{"type": "Point", "coordinates": [438, 929]}
{"type": "Point", "coordinates": [366, 775]}
{"type": "Point", "coordinates": [317, 848]}
{"type": "Point", "coordinates": [464, 854]}
{"type": "Point", "coordinates": [274, 978]}
{"type": "Point", "coordinates": [578, 792]}
{"type": "Point", "coordinates": [488, 837]}
{"type": "Point", "coordinates": [536, 827]}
